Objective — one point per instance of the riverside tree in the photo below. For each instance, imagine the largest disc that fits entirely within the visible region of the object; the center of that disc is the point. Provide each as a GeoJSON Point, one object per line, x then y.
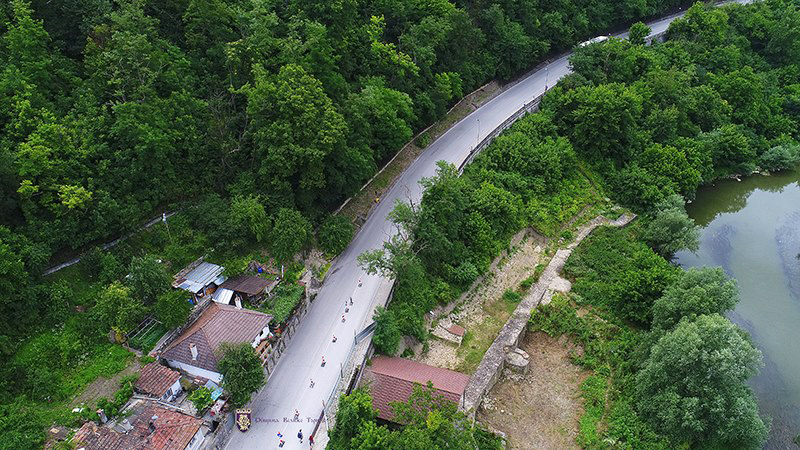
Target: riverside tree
{"type": "Point", "coordinates": [692, 388]}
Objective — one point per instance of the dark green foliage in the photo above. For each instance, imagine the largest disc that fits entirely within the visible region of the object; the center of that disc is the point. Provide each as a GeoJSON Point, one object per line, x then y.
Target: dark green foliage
{"type": "Point", "coordinates": [291, 233]}
{"type": "Point", "coordinates": [117, 309]}
{"type": "Point", "coordinates": [669, 229]}
{"type": "Point", "coordinates": [335, 234]}
{"type": "Point", "coordinates": [692, 387]}
{"type": "Point", "coordinates": [172, 308]}
{"type": "Point", "coordinates": [283, 301]}
{"type": "Point", "coordinates": [387, 335]}
{"type": "Point", "coordinates": [698, 292]}
{"type": "Point", "coordinates": [638, 32]}
{"type": "Point", "coordinates": [430, 422]}
{"type": "Point", "coordinates": [241, 371]}
{"type": "Point", "coordinates": [354, 412]}
{"type": "Point", "coordinates": [148, 278]}
{"type": "Point", "coordinates": [616, 271]}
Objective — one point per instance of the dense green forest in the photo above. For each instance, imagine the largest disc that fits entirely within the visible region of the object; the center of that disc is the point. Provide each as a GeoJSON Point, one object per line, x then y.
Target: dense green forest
{"type": "Point", "coordinates": [115, 110]}
{"type": "Point", "coordinates": [645, 125]}
{"type": "Point", "coordinates": [254, 118]}
{"type": "Point", "coordinates": [639, 123]}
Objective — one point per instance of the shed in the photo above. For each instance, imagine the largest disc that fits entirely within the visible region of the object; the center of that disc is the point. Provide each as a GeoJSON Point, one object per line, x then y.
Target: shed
{"type": "Point", "coordinates": [199, 278]}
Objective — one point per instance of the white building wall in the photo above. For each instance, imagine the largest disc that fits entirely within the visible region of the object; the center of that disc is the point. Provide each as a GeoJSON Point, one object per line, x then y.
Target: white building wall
{"type": "Point", "coordinates": [197, 440]}
{"type": "Point", "coordinates": [213, 376]}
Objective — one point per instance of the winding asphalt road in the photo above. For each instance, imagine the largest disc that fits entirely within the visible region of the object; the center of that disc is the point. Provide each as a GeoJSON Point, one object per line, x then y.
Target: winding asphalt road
{"type": "Point", "coordinates": [288, 389]}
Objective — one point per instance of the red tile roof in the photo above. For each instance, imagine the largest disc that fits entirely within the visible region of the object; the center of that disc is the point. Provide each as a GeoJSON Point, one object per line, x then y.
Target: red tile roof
{"type": "Point", "coordinates": [173, 431]}
{"type": "Point", "coordinates": [155, 379]}
{"type": "Point", "coordinates": [392, 380]}
{"type": "Point", "coordinates": [217, 324]}
{"type": "Point", "coordinates": [457, 330]}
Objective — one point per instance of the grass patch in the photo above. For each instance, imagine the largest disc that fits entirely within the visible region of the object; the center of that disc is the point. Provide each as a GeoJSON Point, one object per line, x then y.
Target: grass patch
{"type": "Point", "coordinates": [285, 300]}
{"type": "Point", "coordinates": [146, 341]}
{"type": "Point", "coordinates": [593, 392]}
{"type": "Point", "coordinates": [608, 347]}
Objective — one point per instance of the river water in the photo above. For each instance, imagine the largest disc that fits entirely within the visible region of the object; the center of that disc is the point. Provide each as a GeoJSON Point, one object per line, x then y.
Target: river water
{"type": "Point", "coordinates": [751, 228]}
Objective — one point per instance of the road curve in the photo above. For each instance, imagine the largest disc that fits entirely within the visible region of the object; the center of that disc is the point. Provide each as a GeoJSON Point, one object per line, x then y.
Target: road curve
{"type": "Point", "coordinates": [288, 389]}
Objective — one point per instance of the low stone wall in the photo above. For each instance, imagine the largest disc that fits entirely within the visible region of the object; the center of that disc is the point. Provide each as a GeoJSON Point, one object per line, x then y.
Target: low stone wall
{"type": "Point", "coordinates": [513, 331]}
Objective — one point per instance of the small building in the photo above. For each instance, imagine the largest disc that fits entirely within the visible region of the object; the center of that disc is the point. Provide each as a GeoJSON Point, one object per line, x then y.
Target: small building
{"type": "Point", "coordinates": [392, 380]}
{"type": "Point", "coordinates": [159, 382]}
{"type": "Point", "coordinates": [244, 287]}
{"type": "Point", "coordinates": [195, 350]}
{"type": "Point", "coordinates": [149, 426]}
{"type": "Point", "coordinates": [200, 278]}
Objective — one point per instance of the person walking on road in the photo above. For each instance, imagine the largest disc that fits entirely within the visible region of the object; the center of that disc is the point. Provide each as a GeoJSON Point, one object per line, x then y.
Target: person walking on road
{"type": "Point", "coordinates": [300, 436]}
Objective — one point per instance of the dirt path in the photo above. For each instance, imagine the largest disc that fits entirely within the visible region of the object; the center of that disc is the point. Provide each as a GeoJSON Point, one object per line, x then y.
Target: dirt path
{"type": "Point", "coordinates": [484, 311]}
{"type": "Point", "coordinates": [541, 409]}
{"type": "Point", "coordinates": [104, 387]}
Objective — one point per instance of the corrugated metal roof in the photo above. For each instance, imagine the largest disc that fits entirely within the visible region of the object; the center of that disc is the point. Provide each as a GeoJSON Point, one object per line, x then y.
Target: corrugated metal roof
{"type": "Point", "coordinates": [201, 276]}
{"type": "Point", "coordinates": [223, 296]}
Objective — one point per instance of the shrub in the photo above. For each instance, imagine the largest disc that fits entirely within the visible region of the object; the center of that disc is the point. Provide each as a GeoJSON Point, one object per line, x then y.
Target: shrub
{"type": "Point", "coordinates": [511, 296]}
{"type": "Point", "coordinates": [335, 234]}
{"type": "Point", "coordinates": [780, 157]}
{"type": "Point", "coordinates": [201, 399]}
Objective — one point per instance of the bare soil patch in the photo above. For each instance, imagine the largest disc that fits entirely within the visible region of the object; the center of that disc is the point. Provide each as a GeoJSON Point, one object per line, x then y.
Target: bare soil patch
{"type": "Point", "coordinates": [105, 387]}
{"type": "Point", "coordinates": [541, 409]}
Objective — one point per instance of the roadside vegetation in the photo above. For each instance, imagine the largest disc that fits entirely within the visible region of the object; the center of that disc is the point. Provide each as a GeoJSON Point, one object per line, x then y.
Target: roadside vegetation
{"type": "Point", "coordinates": [257, 120]}
{"type": "Point", "coordinates": [429, 420]}
{"type": "Point", "coordinates": [647, 125]}
{"type": "Point", "coordinates": [253, 120]}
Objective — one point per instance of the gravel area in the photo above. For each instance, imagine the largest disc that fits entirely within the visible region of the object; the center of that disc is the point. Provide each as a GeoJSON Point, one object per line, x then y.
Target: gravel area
{"type": "Point", "coordinates": [472, 313]}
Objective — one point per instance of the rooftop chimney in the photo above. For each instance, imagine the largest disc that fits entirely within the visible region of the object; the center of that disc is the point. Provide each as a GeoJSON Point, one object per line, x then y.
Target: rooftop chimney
{"type": "Point", "coordinates": [193, 349]}
{"type": "Point", "coordinates": [152, 424]}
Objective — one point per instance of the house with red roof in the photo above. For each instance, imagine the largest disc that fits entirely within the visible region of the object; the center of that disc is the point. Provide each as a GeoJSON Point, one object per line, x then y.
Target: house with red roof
{"type": "Point", "coordinates": [392, 380]}
{"type": "Point", "coordinates": [147, 427]}
{"type": "Point", "coordinates": [195, 351]}
{"type": "Point", "coordinates": [159, 382]}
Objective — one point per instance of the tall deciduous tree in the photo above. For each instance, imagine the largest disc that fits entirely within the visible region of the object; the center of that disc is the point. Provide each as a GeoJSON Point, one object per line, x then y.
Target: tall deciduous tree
{"type": "Point", "coordinates": [117, 309]}
{"type": "Point", "coordinates": [670, 229]}
{"type": "Point", "coordinates": [148, 278]}
{"type": "Point", "coordinates": [242, 373]}
{"type": "Point", "coordinates": [387, 335]}
{"type": "Point", "coordinates": [354, 414]}
{"type": "Point", "coordinates": [693, 386]}
{"type": "Point", "coordinates": [290, 234]}
{"type": "Point", "coordinates": [294, 127]}
{"type": "Point", "coordinates": [698, 292]}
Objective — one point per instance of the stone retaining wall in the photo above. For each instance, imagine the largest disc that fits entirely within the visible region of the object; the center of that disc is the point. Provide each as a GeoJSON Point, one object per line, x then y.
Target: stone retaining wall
{"type": "Point", "coordinates": [513, 331]}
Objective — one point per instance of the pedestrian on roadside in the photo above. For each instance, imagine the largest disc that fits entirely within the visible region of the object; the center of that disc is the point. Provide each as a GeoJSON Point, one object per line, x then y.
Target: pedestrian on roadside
{"type": "Point", "coordinates": [334, 338]}
{"type": "Point", "coordinates": [342, 318]}
{"type": "Point", "coordinates": [296, 414]}
{"type": "Point", "coordinates": [312, 384]}
{"type": "Point", "coordinates": [311, 440]}
{"type": "Point", "coordinates": [300, 436]}
{"type": "Point", "coordinates": [323, 361]}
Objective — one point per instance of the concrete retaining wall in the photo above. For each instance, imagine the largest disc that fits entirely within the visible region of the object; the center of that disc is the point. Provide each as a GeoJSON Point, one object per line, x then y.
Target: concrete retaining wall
{"type": "Point", "coordinates": [513, 331]}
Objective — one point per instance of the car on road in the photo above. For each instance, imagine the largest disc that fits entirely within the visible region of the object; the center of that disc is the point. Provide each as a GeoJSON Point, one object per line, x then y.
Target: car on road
{"type": "Point", "coordinates": [593, 40]}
